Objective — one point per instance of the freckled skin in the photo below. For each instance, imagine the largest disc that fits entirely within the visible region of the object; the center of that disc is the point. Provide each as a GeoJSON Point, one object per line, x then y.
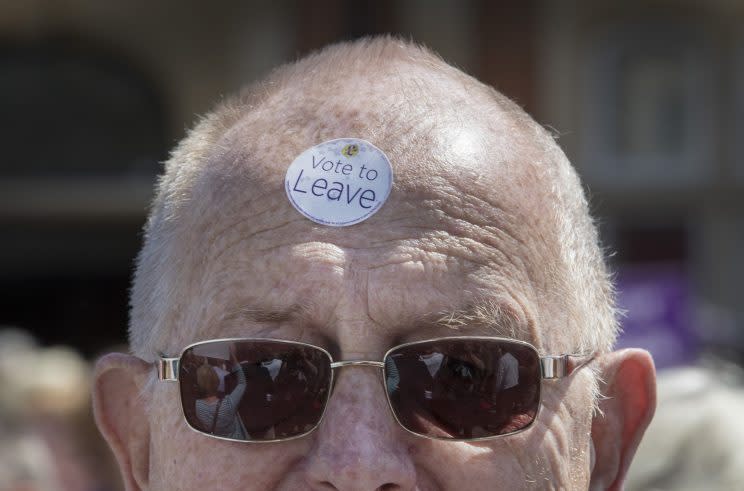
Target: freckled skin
{"type": "Point", "coordinates": [430, 247]}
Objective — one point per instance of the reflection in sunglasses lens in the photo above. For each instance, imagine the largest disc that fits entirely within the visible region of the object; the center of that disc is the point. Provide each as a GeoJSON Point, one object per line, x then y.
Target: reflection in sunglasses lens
{"type": "Point", "coordinates": [254, 390]}
{"type": "Point", "coordinates": [464, 388]}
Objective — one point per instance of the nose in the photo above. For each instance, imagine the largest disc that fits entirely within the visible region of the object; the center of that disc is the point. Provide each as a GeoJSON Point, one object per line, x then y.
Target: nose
{"type": "Point", "coordinates": [358, 445]}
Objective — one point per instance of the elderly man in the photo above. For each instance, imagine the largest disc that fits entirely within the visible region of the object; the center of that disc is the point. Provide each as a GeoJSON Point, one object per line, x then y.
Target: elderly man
{"type": "Point", "coordinates": [383, 262]}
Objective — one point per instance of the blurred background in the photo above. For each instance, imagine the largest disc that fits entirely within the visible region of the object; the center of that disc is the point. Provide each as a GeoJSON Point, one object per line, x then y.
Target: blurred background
{"type": "Point", "coordinates": [647, 98]}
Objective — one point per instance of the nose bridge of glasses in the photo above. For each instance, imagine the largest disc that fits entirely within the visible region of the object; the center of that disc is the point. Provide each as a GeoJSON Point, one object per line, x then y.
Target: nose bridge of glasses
{"type": "Point", "coordinates": [358, 363]}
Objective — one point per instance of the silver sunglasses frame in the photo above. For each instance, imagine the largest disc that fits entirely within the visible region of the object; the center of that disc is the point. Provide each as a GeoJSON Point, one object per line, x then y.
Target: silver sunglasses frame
{"type": "Point", "coordinates": [552, 367]}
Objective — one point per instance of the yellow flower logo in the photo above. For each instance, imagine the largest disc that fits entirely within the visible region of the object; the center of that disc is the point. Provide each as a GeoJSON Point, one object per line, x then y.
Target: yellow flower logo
{"type": "Point", "coordinates": [350, 150]}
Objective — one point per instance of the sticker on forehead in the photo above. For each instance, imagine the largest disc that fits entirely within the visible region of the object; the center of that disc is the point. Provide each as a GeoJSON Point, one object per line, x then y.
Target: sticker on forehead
{"type": "Point", "coordinates": [339, 182]}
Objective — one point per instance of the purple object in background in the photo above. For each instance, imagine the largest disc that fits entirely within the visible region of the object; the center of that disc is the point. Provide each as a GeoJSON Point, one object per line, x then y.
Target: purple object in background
{"type": "Point", "coordinates": [658, 303]}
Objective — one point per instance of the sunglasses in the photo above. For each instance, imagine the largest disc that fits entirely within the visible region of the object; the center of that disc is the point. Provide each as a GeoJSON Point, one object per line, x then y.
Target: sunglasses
{"type": "Point", "coordinates": [453, 388]}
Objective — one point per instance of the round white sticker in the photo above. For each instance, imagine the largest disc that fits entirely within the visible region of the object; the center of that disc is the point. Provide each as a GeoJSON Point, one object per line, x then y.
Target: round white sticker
{"type": "Point", "coordinates": [339, 182]}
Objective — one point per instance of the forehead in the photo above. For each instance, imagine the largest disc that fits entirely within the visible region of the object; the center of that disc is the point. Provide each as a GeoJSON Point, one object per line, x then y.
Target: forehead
{"type": "Point", "coordinates": [463, 236]}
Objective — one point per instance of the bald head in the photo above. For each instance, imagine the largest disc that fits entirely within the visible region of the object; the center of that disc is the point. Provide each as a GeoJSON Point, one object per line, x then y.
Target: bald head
{"type": "Point", "coordinates": [477, 182]}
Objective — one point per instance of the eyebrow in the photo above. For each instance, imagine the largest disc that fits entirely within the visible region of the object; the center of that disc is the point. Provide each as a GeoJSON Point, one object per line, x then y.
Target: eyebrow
{"type": "Point", "coordinates": [266, 316]}
{"type": "Point", "coordinates": [495, 317]}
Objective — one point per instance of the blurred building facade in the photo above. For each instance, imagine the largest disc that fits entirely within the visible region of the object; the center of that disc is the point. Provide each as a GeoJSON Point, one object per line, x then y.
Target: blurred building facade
{"type": "Point", "coordinates": [647, 99]}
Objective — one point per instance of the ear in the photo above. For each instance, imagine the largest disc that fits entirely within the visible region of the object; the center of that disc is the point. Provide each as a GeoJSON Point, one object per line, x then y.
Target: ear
{"type": "Point", "coordinates": [627, 404]}
{"type": "Point", "coordinates": [121, 415]}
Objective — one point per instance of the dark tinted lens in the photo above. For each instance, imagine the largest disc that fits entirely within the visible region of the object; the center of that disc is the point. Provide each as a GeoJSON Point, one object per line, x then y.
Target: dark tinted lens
{"type": "Point", "coordinates": [464, 388]}
{"type": "Point", "coordinates": [254, 390]}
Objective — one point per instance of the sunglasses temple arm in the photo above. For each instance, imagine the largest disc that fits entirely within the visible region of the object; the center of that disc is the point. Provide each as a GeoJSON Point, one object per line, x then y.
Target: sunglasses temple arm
{"type": "Point", "coordinates": [580, 361]}
{"type": "Point", "coordinates": [168, 369]}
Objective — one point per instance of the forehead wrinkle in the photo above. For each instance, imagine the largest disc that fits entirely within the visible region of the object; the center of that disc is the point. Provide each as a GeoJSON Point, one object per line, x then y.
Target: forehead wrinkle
{"type": "Point", "coordinates": [480, 244]}
{"type": "Point", "coordinates": [459, 238]}
{"type": "Point", "coordinates": [515, 236]}
{"type": "Point", "coordinates": [426, 239]}
{"type": "Point", "coordinates": [490, 194]}
{"type": "Point", "coordinates": [234, 207]}
{"type": "Point", "coordinates": [245, 238]}
{"type": "Point", "coordinates": [462, 205]}
{"type": "Point", "coordinates": [398, 229]}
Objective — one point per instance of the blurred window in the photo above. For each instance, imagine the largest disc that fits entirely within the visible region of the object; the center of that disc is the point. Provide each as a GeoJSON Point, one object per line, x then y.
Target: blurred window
{"type": "Point", "coordinates": [83, 135]}
{"type": "Point", "coordinates": [66, 111]}
{"type": "Point", "coordinates": [651, 105]}
{"type": "Point", "coordinates": [648, 107]}
{"type": "Point", "coordinates": [737, 149]}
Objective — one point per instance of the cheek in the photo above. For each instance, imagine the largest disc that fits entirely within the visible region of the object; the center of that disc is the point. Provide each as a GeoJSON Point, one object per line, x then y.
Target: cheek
{"type": "Point", "coordinates": [552, 454]}
{"type": "Point", "coordinates": [500, 464]}
{"type": "Point", "coordinates": [182, 459]}
{"type": "Point", "coordinates": [560, 437]}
